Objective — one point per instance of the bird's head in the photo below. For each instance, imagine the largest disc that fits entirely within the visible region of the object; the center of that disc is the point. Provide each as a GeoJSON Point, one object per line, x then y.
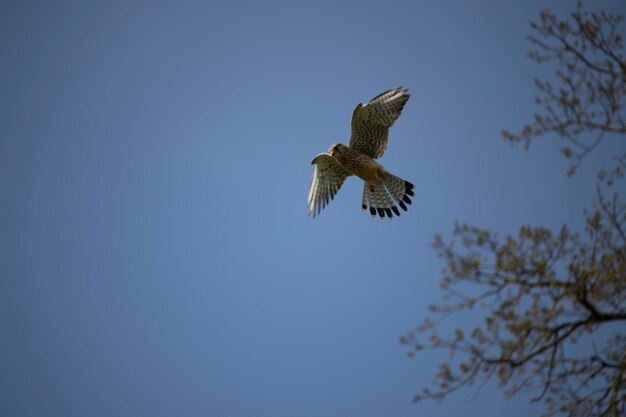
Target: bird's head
{"type": "Point", "coordinates": [337, 149]}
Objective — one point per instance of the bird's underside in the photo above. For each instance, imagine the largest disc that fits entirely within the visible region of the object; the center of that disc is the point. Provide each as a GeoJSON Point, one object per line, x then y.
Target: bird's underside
{"type": "Point", "coordinates": [382, 192]}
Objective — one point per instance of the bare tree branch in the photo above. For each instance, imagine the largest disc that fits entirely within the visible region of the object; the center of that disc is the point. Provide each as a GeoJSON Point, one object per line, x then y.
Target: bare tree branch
{"type": "Point", "coordinates": [591, 99]}
{"type": "Point", "coordinates": [543, 292]}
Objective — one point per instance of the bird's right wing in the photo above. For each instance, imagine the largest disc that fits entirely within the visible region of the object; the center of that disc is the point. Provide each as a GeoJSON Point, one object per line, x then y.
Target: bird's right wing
{"type": "Point", "coordinates": [327, 179]}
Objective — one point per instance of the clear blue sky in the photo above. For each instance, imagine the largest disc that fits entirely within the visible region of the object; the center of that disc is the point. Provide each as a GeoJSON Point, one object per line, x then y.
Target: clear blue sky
{"type": "Point", "coordinates": [155, 254]}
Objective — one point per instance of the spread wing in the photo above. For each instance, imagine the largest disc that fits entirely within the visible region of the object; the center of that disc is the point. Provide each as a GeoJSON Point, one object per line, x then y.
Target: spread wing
{"type": "Point", "coordinates": [371, 122]}
{"type": "Point", "coordinates": [327, 179]}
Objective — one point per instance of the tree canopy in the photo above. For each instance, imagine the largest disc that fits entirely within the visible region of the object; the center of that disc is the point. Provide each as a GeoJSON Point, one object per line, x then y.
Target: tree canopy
{"type": "Point", "coordinates": [554, 300]}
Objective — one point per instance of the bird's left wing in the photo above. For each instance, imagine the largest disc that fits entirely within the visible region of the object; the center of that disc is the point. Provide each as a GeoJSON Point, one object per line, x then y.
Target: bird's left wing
{"type": "Point", "coordinates": [327, 179]}
{"type": "Point", "coordinates": [371, 122]}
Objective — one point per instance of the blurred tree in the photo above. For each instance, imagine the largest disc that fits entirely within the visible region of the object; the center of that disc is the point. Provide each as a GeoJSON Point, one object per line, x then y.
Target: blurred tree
{"type": "Point", "coordinates": [548, 295]}
{"type": "Point", "coordinates": [589, 100]}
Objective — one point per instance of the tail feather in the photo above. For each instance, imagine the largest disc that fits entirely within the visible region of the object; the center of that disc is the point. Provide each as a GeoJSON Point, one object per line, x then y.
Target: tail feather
{"type": "Point", "coordinates": [400, 189]}
{"type": "Point", "coordinates": [376, 199]}
{"type": "Point", "coordinates": [379, 198]}
{"type": "Point", "coordinates": [365, 201]}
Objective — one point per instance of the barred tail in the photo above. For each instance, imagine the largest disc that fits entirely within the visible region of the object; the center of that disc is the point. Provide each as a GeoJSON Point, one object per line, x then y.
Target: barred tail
{"type": "Point", "coordinates": [379, 198]}
{"type": "Point", "coordinates": [400, 189]}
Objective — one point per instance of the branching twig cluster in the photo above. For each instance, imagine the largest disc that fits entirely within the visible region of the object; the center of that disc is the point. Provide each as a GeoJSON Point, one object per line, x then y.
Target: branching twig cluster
{"type": "Point", "coordinates": [589, 100]}
{"type": "Point", "coordinates": [544, 293]}
{"type": "Point", "coordinates": [554, 302]}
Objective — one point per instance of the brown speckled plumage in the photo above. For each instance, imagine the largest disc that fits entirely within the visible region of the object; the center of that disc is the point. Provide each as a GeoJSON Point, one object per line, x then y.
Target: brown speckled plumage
{"type": "Point", "coordinates": [368, 141]}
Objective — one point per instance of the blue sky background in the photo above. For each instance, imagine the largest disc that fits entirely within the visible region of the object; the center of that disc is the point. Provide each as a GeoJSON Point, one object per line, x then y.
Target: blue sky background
{"type": "Point", "coordinates": [155, 254]}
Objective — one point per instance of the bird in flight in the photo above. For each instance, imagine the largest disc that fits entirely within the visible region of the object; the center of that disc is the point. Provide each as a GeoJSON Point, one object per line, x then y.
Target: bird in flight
{"type": "Point", "coordinates": [368, 141]}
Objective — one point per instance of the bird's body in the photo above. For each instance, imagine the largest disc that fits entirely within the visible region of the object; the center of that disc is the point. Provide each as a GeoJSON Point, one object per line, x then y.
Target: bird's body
{"type": "Point", "coordinates": [358, 163]}
{"type": "Point", "coordinates": [368, 141]}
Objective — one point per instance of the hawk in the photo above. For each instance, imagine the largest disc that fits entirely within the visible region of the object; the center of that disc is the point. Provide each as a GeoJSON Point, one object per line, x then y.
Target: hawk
{"type": "Point", "coordinates": [368, 141]}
